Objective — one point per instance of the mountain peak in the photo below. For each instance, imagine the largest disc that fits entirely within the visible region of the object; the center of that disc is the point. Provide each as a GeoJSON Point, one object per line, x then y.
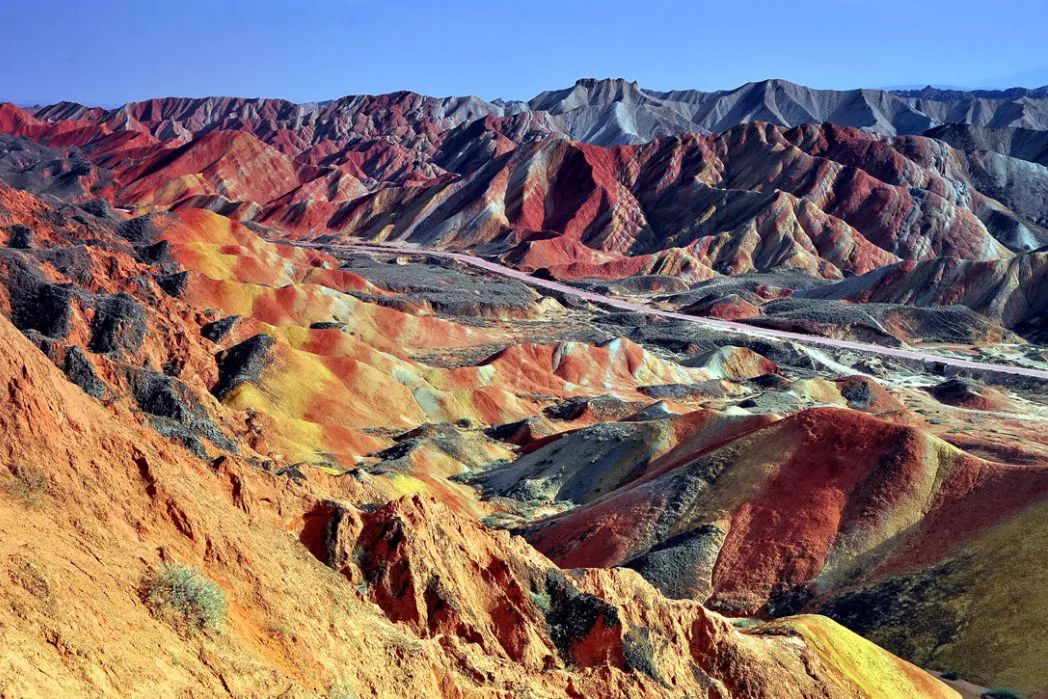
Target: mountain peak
{"type": "Point", "coordinates": [596, 82]}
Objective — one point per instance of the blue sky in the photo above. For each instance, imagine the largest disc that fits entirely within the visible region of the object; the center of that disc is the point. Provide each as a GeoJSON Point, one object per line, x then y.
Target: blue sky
{"type": "Point", "coordinates": [112, 51]}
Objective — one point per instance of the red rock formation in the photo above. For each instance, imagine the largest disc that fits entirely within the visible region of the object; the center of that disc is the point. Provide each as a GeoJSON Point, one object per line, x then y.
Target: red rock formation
{"type": "Point", "coordinates": [812, 497]}
{"type": "Point", "coordinates": [824, 199]}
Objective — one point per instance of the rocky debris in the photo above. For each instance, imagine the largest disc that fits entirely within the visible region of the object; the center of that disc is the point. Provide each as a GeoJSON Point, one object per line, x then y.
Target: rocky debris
{"type": "Point", "coordinates": [714, 388]}
{"type": "Point", "coordinates": [682, 566]}
{"type": "Point", "coordinates": [49, 311]}
{"type": "Point", "coordinates": [865, 394]}
{"type": "Point", "coordinates": [452, 451]}
{"type": "Point", "coordinates": [176, 412]}
{"type": "Point", "coordinates": [586, 630]}
{"type": "Point", "coordinates": [599, 407]}
{"type": "Point", "coordinates": [965, 393]}
{"type": "Point", "coordinates": [217, 330]}
{"type": "Point", "coordinates": [100, 207]}
{"type": "Point", "coordinates": [173, 284]}
{"type": "Point", "coordinates": [242, 363]}
{"type": "Point", "coordinates": [911, 614]}
{"type": "Point", "coordinates": [523, 432]}
{"type": "Point", "coordinates": [79, 369]}
{"type": "Point", "coordinates": [327, 325]}
{"type": "Point", "coordinates": [48, 172]}
{"type": "Point", "coordinates": [157, 254]}
{"type": "Point", "coordinates": [676, 336]}
{"type": "Point", "coordinates": [434, 286]}
{"type": "Point", "coordinates": [292, 472]}
{"type": "Point", "coordinates": [36, 304]}
{"type": "Point", "coordinates": [659, 410]}
{"type": "Point", "coordinates": [800, 323]}
{"type": "Point", "coordinates": [772, 381]}
{"type": "Point", "coordinates": [577, 467]}
{"type": "Point", "coordinates": [19, 237]}
{"type": "Point", "coordinates": [74, 262]}
{"type": "Point", "coordinates": [119, 326]}
{"type": "Point", "coordinates": [859, 395]}
{"type": "Point", "coordinates": [164, 396]}
{"type": "Point", "coordinates": [141, 230]}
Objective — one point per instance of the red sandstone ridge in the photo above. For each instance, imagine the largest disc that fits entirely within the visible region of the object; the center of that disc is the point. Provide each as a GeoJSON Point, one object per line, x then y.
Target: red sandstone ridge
{"type": "Point", "coordinates": [815, 498]}
{"type": "Point", "coordinates": [811, 496]}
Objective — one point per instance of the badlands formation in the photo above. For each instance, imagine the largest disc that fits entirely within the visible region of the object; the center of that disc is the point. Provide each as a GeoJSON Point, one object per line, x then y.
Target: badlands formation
{"type": "Point", "coordinates": [425, 396]}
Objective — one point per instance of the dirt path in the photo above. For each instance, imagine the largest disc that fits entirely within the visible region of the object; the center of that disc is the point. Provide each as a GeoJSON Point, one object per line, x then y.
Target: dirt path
{"type": "Point", "coordinates": [741, 328]}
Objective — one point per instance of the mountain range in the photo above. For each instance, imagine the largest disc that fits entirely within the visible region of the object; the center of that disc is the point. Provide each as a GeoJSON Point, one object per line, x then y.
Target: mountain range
{"type": "Point", "coordinates": [602, 180]}
{"type": "Point", "coordinates": [395, 395]}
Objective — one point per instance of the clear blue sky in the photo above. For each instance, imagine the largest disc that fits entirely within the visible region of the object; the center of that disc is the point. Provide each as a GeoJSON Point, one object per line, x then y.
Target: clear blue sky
{"type": "Point", "coordinates": [112, 51]}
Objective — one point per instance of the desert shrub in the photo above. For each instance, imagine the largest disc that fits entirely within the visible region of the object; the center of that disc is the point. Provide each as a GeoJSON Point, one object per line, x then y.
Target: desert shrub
{"type": "Point", "coordinates": [28, 485]}
{"type": "Point", "coordinates": [186, 595]}
{"type": "Point", "coordinates": [280, 628]}
{"type": "Point", "coordinates": [1001, 693]}
{"type": "Point", "coordinates": [541, 601]}
{"type": "Point", "coordinates": [341, 690]}
{"type": "Point", "coordinates": [744, 622]}
{"type": "Point", "coordinates": [499, 520]}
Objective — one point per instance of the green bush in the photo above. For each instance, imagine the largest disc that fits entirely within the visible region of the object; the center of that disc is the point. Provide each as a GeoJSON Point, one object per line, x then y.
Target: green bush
{"type": "Point", "coordinates": [541, 600]}
{"type": "Point", "coordinates": [188, 596]}
{"type": "Point", "coordinates": [1001, 693]}
{"type": "Point", "coordinates": [29, 485]}
{"type": "Point", "coordinates": [341, 690]}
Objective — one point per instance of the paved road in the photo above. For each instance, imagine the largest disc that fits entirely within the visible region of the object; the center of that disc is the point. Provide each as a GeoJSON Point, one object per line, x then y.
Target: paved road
{"type": "Point", "coordinates": [708, 322]}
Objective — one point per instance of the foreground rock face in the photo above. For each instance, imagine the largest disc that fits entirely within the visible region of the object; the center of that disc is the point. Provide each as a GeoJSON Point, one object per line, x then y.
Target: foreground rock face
{"type": "Point", "coordinates": [447, 577]}
{"type": "Point", "coordinates": [482, 614]}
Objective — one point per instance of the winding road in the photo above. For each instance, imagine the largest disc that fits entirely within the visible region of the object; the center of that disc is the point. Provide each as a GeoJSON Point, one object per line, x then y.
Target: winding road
{"type": "Point", "coordinates": [750, 330]}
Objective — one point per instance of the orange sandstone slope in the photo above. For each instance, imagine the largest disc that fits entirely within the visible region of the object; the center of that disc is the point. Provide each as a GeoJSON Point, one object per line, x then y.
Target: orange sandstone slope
{"type": "Point", "coordinates": [481, 613]}
{"type": "Point", "coordinates": [218, 336]}
{"type": "Point", "coordinates": [334, 362]}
